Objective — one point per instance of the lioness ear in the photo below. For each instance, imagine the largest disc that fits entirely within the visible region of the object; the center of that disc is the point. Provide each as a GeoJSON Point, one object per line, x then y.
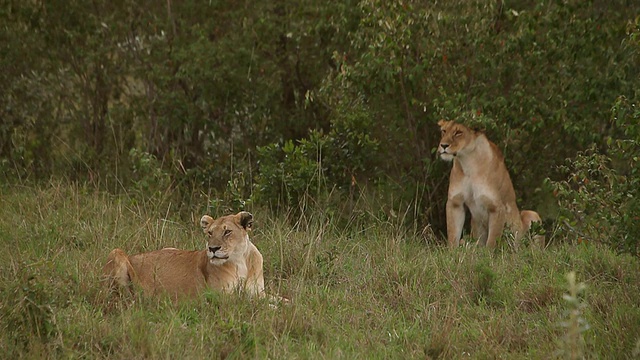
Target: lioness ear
{"type": "Point", "coordinates": [245, 219]}
{"type": "Point", "coordinates": [442, 122]}
{"type": "Point", "coordinates": [205, 222]}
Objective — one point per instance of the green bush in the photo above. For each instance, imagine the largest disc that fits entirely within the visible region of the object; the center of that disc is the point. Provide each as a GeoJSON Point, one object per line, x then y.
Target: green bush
{"type": "Point", "coordinates": [313, 166]}
{"type": "Point", "coordinates": [599, 198]}
{"type": "Point", "coordinates": [337, 96]}
{"type": "Point", "coordinates": [290, 172]}
{"type": "Point", "coordinates": [147, 174]}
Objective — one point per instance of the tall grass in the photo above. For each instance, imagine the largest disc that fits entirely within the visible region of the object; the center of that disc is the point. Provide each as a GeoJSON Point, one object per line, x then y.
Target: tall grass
{"type": "Point", "coordinates": [373, 289]}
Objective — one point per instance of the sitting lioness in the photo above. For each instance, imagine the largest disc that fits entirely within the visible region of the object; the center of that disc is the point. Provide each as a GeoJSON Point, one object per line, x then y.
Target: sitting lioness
{"type": "Point", "coordinates": [229, 262]}
{"type": "Point", "coordinates": [480, 181]}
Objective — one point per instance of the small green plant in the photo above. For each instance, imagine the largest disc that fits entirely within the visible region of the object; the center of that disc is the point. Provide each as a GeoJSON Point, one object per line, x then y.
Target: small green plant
{"type": "Point", "coordinates": [148, 176]}
{"type": "Point", "coordinates": [484, 283]}
{"type": "Point", "coordinates": [290, 171]}
{"type": "Point", "coordinates": [236, 196]}
{"type": "Point", "coordinates": [573, 345]}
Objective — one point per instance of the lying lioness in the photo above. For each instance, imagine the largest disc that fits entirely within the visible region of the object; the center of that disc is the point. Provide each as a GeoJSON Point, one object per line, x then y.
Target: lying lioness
{"type": "Point", "coordinates": [229, 262]}
{"type": "Point", "coordinates": [480, 181]}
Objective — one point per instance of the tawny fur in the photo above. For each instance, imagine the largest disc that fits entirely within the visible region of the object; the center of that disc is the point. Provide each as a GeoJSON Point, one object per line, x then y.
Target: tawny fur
{"type": "Point", "coordinates": [479, 181]}
{"type": "Point", "coordinates": [230, 262]}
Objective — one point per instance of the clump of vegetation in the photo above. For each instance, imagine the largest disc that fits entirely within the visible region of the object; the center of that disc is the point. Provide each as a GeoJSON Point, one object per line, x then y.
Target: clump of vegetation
{"type": "Point", "coordinates": [283, 103]}
{"type": "Point", "coordinates": [485, 279]}
{"type": "Point", "coordinates": [28, 318]}
{"type": "Point", "coordinates": [600, 199]}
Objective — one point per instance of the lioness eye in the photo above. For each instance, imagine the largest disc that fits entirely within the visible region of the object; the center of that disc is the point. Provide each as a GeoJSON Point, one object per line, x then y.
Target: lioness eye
{"type": "Point", "coordinates": [458, 133]}
{"type": "Point", "coordinates": [226, 232]}
{"type": "Point", "coordinates": [210, 232]}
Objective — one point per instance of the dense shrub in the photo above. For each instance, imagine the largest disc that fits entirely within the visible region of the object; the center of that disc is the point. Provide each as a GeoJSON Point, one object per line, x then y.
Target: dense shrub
{"type": "Point", "coordinates": [282, 100]}
{"type": "Point", "coordinates": [599, 197]}
{"type": "Point", "coordinates": [291, 171]}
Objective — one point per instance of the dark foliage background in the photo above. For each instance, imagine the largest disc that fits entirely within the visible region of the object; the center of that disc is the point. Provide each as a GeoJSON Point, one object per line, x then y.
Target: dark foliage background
{"type": "Point", "coordinates": [292, 103]}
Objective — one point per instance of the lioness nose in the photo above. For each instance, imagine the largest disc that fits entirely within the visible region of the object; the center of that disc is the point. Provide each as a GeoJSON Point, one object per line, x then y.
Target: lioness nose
{"type": "Point", "coordinates": [444, 146]}
{"type": "Point", "coordinates": [213, 249]}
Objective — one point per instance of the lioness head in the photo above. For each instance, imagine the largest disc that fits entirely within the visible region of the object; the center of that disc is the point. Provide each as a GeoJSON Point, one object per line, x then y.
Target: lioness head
{"type": "Point", "coordinates": [227, 236]}
{"type": "Point", "coordinates": [455, 140]}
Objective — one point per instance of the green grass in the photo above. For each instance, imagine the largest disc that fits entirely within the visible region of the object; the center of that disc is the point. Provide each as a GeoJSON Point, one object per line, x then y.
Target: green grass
{"type": "Point", "coordinates": [375, 292]}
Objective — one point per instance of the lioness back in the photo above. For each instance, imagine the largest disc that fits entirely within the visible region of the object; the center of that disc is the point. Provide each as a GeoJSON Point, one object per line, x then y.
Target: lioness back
{"type": "Point", "coordinates": [170, 270]}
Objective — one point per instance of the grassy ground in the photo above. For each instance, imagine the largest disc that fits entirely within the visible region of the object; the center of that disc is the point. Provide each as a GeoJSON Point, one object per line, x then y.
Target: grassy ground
{"type": "Point", "coordinates": [372, 291]}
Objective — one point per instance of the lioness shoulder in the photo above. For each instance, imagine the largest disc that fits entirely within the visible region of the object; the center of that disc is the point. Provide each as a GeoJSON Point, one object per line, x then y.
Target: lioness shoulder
{"type": "Point", "coordinates": [479, 181]}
